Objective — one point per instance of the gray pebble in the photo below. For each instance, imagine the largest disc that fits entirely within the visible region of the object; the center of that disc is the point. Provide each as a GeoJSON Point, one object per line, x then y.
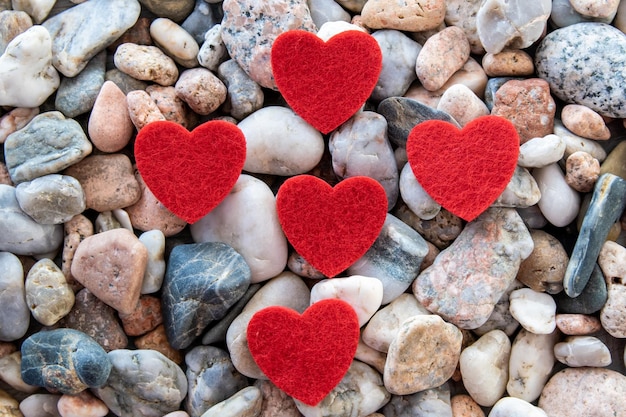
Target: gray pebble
{"type": "Point", "coordinates": [125, 82]}
{"type": "Point", "coordinates": [434, 402]}
{"type": "Point", "coordinates": [77, 95]}
{"type": "Point", "coordinates": [563, 14]}
{"type": "Point", "coordinates": [521, 191]}
{"type": "Point", "coordinates": [244, 95]}
{"type": "Point", "coordinates": [245, 403]}
{"type": "Point", "coordinates": [323, 11]}
{"type": "Point", "coordinates": [51, 199]}
{"type": "Point", "coordinates": [591, 299]}
{"type": "Point", "coordinates": [13, 308]}
{"type": "Point", "coordinates": [217, 333]}
{"type": "Point", "coordinates": [201, 19]}
{"type": "Point", "coordinates": [398, 70]}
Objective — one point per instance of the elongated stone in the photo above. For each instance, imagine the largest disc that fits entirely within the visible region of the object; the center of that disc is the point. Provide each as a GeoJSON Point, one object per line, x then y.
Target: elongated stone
{"type": "Point", "coordinates": [607, 204]}
{"type": "Point", "coordinates": [14, 310]}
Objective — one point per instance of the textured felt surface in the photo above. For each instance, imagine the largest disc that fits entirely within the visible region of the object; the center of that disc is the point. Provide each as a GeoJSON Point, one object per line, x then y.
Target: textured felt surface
{"type": "Point", "coordinates": [464, 170]}
{"type": "Point", "coordinates": [190, 172]}
{"type": "Point", "coordinates": [325, 82]}
{"type": "Point", "coordinates": [305, 355]}
{"type": "Point", "coordinates": [331, 227]}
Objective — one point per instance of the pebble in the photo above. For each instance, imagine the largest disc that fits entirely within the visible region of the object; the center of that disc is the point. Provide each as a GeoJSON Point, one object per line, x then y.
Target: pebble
{"type": "Point", "coordinates": [275, 401]}
{"type": "Point", "coordinates": [530, 364]}
{"type": "Point", "coordinates": [11, 374]}
{"type": "Point", "coordinates": [27, 77]}
{"type": "Point", "coordinates": [434, 402]}
{"type": "Point", "coordinates": [249, 23]}
{"type": "Point", "coordinates": [51, 199]}
{"type": "Point", "coordinates": [515, 407]}
{"type": "Point", "coordinates": [614, 162]}
{"type": "Point", "coordinates": [559, 202]}
{"type": "Point", "coordinates": [217, 333]}
{"type": "Point", "coordinates": [280, 142]}
{"type": "Point", "coordinates": [156, 339]}
{"type": "Point", "coordinates": [48, 295]}
{"type": "Point", "coordinates": [244, 95]}
{"type": "Point", "coordinates": [502, 23]}
{"type": "Point", "coordinates": [44, 405]}
{"type": "Point", "coordinates": [462, 13]}
{"type": "Point", "coordinates": [612, 260]}
{"type": "Point", "coordinates": [575, 143]}
{"type": "Point", "coordinates": [64, 360]}
{"type": "Point", "coordinates": [360, 147]}
{"type": "Point", "coordinates": [211, 378]}
{"type": "Point", "coordinates": [111, 265]}
{"type": "Point", "coordinates": [607, 202]}
{"type": "Point", "coordinates": [464, 406]}
{"type": "Point", "coordinates": [176, 10]}
{"type": "Point", "coordinates": [408, 16]}
{"type": "Point", "coordinates": [200, 20]}
{"type": "Point", "coordinates": [99, 22]}
{"type": "Point", "coordinates": [501, 318]}
{"type": "Point", "coordinates": [577, 351]}
{"type": "Point", "coordinates": [124, 81]}
{"type": "Point", "coordinates": [171, 106]}
{"type": "Point", "coordinates": [415, 197]}
{"type": "Point", "coordinates": [201, 90]}
{"type": "Point", "coordinates": [154, 241]}
{"type": "Point", "coordinates": [110, 127]}
{"type": "Point", "coordinates": [582, 171]}
{"type": "Point", "coordinates": [372, 357]}
{"type": "Point", "coordinates": [591, 299]}
{"type": "Point", "coordinates": [9, 406]}
{"type": "Point", "coordinates": [142, 382]}
{"type": "Point", "coordinates": [146, 63]}
{"type": "Point", "coordinates": [212, 50]}
{"type": "Point", "coordinates": [441, 230]}
{"type": "Point", "coordinates": [442, 55]}
{"type": "Point", "coordinates": [76, 229]}
{"type": "Point", "coordinates": [542, 151]}
{"type": "Point", "coordinates": [323, 11]}
{"type": "Point", "coordinates": [485, 367]}
{"type": "Point", "coordinates": [12, 23]}
{"type": "Point", "coordinates": [462, 104]}
{"type": "Point", "coordinates": [77, 95]}
{"type": "Point", "coordinates": [232, 223]}
{"type": "Point", "coordinates": [528, 105]}
{"type": "Point", "coordinates": [544, 269]}
{"type": "Point", "coordinates": [83, 404]}
{"type": "Point", "coordinates": [245, 403]}
{"type": "Point", "coordinates": [32, 152]}
{"type": "Point", "coordinates": [577, 324]}
{"type": "Point", "coordinates": [423, 355]}
{"type": "Point", "coordinates": [202, 281]}
{"type": "Point", "coordinates": [521, 191]}
{"type": "Point", "coordinates": [592, 8]}
{"type": "Point", "coordinates": [287, 290]}
{"type": "Point", "coordinates": [394, 258]}
{"type": "Point", "coordinates": [146, 317]}
{"type": "Point", "coordinates": [19, 233]}
{"type": "Point", "coordinates": [360, 392]}
{"type": "Point", "coordinates": [15, 120]}
{"type": "Point", "coordinates": [535, 311]}
{"type": "Point", "coordinates": [477, 286]}
{"type": "Point", "coordinates": [107, 180]}
{"type": "Point", "coordinates": [508, 63]}
{"type": "Point", "coordinates": [175, 42]}
{"type": "Point", "coordinates": [583, 121]}
{"type": "Point", "coordinates": [399, 54]}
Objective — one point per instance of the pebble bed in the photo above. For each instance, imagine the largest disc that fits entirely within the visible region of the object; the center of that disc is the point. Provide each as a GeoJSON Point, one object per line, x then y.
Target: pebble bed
{"type": "Point", "coordinates": [110, 305]}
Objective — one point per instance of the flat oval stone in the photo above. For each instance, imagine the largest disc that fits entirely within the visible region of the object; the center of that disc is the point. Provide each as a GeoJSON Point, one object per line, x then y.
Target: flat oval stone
{"type": "Point", "coordinates": [442, 55]}
{"type": "Point", "coordinates": [577, 324]}
{"type": "Point", "coordinates": [77, 95]}
{"type": "Point", "coordinates": [577, 351]}
{"type": "Point", "coordinates": [564, 56]}
{"type": "Point", "coordinates": [584, 122]}
{"type": "Point", "coordinates": [146, 63]}
{"type": "Point", "coordinates": [32, 152]}
{"type": "Point", "coordinates": [51, 199]}
{"type": "Point", "coordinates": [64, 360]}
{"type": "Point", "coordinates": [201, 90]}
{"type": "Point", "coordinates": [173, 9]}
{"type": "Point", "coordinates": [575, 143]}
{"type": "Point", "coordinates": [244, 95]}
{"type": "Point", "coordinates": [410, 16]}
{"type": "Point", "coordinates": [142, 382]}
{"type": "Point", "coordinates": [508, 63]}
{"type": "Point", "coordinates": [430, 402]}
{"type": "Point", "coordinates": [398, 69]}
{"type": "Point", "coordinates": [202, 281]}
{"type": "Point", "coordinates": [14, 310]}
{"type": "Point", "coordinates": [48, 294]}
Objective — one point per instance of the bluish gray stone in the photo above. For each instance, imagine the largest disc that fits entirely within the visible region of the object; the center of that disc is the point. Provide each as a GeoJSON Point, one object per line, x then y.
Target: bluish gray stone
{"type": "Point", "coordinates": [493, 84]}
{"type": "Point", "coordinates": [394, 258]}
{"type": "Point", "coordinates": [201, 19]}
{"type": "Point", "coordinates": [245, 95]}
{"type": "Point", "coordinates": [403, 114]}
{"type": "Point", "coordinates": [125, 82]}
{"type": "Point", "coordinates": [142, 383]}
{"type": "Point", "coordinates": [607, 204]}
{"type": "Point", "coordinates": [563, 14]}
{"type": "Point", "coordinates": [585, 63]}
{"type": "Point", "coordinates": [211, 378]}
{"type": "Point", "coordinates": [398, 71]}
{"type": "Point", "coordinates": [77, 95]}
{"type": "Point", "coordinates": [65, 360]}
{"type": "Point", "coordinates": [202, 281]}
{"type": "Point", "coordinates": [591, 299]}
{"type": "Point", "coordinates": [47, 145]}
{"type": "Point", "coordinates": [19, 233]}
{"type": "Point", "coordinates": [13, 307]}
{"type": "Point", "coordinates": [82, 31]}
{"type": "Point", "coordinates": [433, 402]}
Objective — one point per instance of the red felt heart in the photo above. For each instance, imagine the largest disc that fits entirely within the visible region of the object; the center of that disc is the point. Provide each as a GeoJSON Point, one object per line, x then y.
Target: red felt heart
{"type": "Point", "coordinates": [331, 227]}
{"type": "Point", "coordinates": [464, 170]}
{"type": "Point", "coordinates": [190, 172]}
{"type": "Point", "coordinates": [325, 82]}
{"type": "Point", "coordinates": [305, 355]}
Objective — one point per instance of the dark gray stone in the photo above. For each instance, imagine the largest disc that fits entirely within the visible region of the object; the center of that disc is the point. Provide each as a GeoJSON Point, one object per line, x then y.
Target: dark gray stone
{"type": "Point", "coordinates": [201, 19]}
{"type": "Point", "coordinates": [202, 281]}
{"type": "Point", "coordinates": [211, 378]}
{"type": "Point", "coordinates": [77, 95]}
{"type": "Point", "coordinates": [607, 204]}
{"type": "Point", "coordinates": [217, 333]}
{"type": "Point", "coordinates": [245, 95]}
{"type": "Point", "coordinates": [591, 300]}
{"type": "Point", "coordinates": [64, 360]}
{"type": "Point", "coordinates": [492, 86]}
{"type": "Point", "coordinates": [403, 114]}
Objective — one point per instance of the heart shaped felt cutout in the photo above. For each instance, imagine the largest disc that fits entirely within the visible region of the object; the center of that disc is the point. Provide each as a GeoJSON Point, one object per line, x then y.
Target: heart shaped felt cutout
{"type": "Point", "coordinates": [305, 355]}
{"type": "Point", "coordinates": [325, 83]}
{"type": "Point", "coordinates": [464, 170]}
{"type": "Point", "coordinates": [190, 173]}
{"type": "Point", "coordinates": [331, 227]}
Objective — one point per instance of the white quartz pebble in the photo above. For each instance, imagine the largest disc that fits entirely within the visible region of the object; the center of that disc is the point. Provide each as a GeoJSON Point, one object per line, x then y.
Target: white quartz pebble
{"type": "Point", "coordinates": [578, 351]}
{"type": "Point", "coordinates": [542, 151]}
{"type": "Point", "coordinates": [535, 311]}
{"type": "Point", "coordinates": [175, 41]}
{"type": "Point", "coordinates": [514, 407]}
{"type": "Point", "coordinates": [330, 29]}
{"type": "Point", "coordinates": [575, 143]}
{"type": "Point", "coordinates": [559, 202]}
{"type": "Point", "coordinates": [154, 241]}
{"type": "Point", "coordinates": [415, 197]}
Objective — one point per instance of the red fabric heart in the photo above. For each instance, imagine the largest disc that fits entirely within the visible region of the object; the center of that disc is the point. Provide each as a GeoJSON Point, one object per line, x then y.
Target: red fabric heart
{"type": "Point", "coordinates": [305, 355]}
{"type": "Point", "coordinates": [190, 172]}
{"type": "Point", "coordinates": [325, 82]}
{"type": "Point", "coordinates": [464, 170]}
{"type": "Point", "coordinates": [331, 227]}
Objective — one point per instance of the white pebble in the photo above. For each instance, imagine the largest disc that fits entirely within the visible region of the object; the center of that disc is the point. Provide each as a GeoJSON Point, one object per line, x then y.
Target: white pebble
{"type": "Point", "coordinates": [415, 197]}
{"type": "Point", "coordinates": [154, 241]}
{"type": "Point", "coordinates": [213, 51]}
{"type": "Point", "coordinates": [535, 311]}
{"type": "Point", "coordinates": [330, 29]}
{"type": "Point", "coordinates": [582, 351]}
{"type": "Point", "coordinates": [44, 405]}
{"type": "Point", "coordinates": [540, 152]}
{"type": "Point", "coordinates": [559, 202]}
{"type": "Point", "coordinates": [175, 41]}
{"type": "Point", "coordinates": [575, 143]}
{"type": "Point", "coordinates": [514, 407]}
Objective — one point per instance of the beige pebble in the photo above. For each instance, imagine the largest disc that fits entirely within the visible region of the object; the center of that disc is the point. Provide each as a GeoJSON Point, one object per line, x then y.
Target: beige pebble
{"type": "Point", "coordinates": [442, 55]}
{"type": "Point", "coordinates": [612, 261]}
{"type": "Point", "coordinates": [83, 404]}
{"type": "Point", "coordinates": [14, 22]}
{"type": "Point", "coordinates": [582, 171]}
{"type": "Point", "coordinates": [175, 41]}
{"type": "Point", "coordinates": [142, 109]}
{"type": "Point", "coordinates": [177, 414]}
{"type": "Point", "coordinates": [76, 230]}
{"type": "Point", "coordinates": [577, 324]}
{"type": "Point", "coordinates": [110, 127]}
{"type": "Point", "coordinates": [464, 406]}
{"type": "Point", "coordinates": [508, 63]}
{"type": "Point", "coordinates": [48, 295]}
{"type": "Point", "coordinates": [5, 178]}
{"type": "Point", "coordinates": [9, 407]}
{"type": "Point", "coordinates": [462, 104]}
{"type": "Point", "coordinates": [408, 15]}
{"type": "Point", "coordinates": [201, 90]}
{"type": "Point", "coordinates": [596, 8]}
{"type": "Point", "coordinates": [170, 105]}
{"type": "Point", "coordinates": [107, 180]}
{"type": "Point", "coordinates": [146, 63]}
{"type": "Point", "coordinates": [544, 269]}
{"type": "Point", "coordinates": [583, 121]}
{"type": "Point", "coordinates": [148, 213]}
{"type": "Point", "coordinates": [15, 120]}
{"type": "Point", "coordinates": [157, 340]}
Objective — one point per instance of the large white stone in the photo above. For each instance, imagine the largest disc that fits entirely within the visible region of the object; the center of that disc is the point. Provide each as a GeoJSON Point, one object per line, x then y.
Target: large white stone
{"type": "Point", "coordinates": [559, 202]}
{"type": "Point", "coordinates": [514, 407]}
{"type": "Point", "coordinates": [535, 311]}
{"type": "Point", "coordinates": [542, 151]}
{"type": "Point", "coordinates": [578, 351]}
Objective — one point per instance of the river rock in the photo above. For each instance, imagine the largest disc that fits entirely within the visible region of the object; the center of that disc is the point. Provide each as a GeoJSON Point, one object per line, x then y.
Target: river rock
{"type": "Point", "coordinates": [542, 151]}
{"type": "Point", "coordinates": [577, 351]}
{"type": "Point", "coordinates": [14, 120]}
{"type": "Point", "coordinates": [415, 197]}
{"type": "Point", "coordinates": [591, 299]}
{"type": "Point", "coordinates": [202, 19]}
{"type": "Point", "coordinates": [521, 191]}
{"type": "Point", "coordinates": [14, 310]}
{"type": "Point", "coordinates": [581, 171]}
{"type": "Point", "coordinates": [11, 373]}
{"type": "Point", "coordinates": [441, 230]}
{"type": "Point", "coordinates": [462, 303]}
{"type": "Point", "coordinates": [323, 11]}
{"type": "Point", "coordinates": [464, 406]}
{"type": "Point", "coordinates": [501, 318]}
{"type": "Point", "coordinates": [244, 95]}
{"type": "Point", "coordinates": [559, 202]}
{"type": "Point", "coordinates": [64, 360]}
{"type": "Point", "coordinates": [175, 41]}
{"type": "Point", "coordinates": [584, 122]}
{"type": "Point", "coordinates": [201, 90]}
{"type": "Point", "coordinates": [462, 13]}
{"type": "Point", "coordinates": [147, 63]}
{"type": "Point", "coordinates": [77, 95]}
{"type": "Point", "coordinates": [142, 382]}
{"type": "Point", "coordinates": [48, 295]}
{"type": "Point", "coordinates": [545, 268]}
{"type": "Point", "coordinates": [614, 162]}
{"type": "Point", "coordinates": [398, 68]}
{"type": "Point", "coordinates": [442, 55]}
{"type": "Point", "coordinates": [428, 403]}
{"type": "Point", "coordinates": [13, 23]}
{"type": "Point", "coordinates": [110, 128]}
{"type": "Point", "coordinates": [575, 143]}
{"type": "Point", "coordinates": [535, 311]}
{"type": "Point", "coordinates": [410, 16]}
{"type": "Point", "coordinates": [244, 403]}
{"type": "Point", "coordinates": [515, 407]}
{"type": "Point", "coordinates": [202, 281]}
{"type": "Point", "coordinates": [213, 51]}
{"type": "Point", "coordinates": [51, 199]}
{"type": "Point", "coordinates": [154, 241]}
{"type": "Point", "coordinates": [508, 63]}
{"type": "Point", "coordinates": [83, 404]}
{"type": "Point", "coordinates": [32, 152]}
{"type": "Point", "coordinates": [176, 10]}
{"type": "Point", "coordinates": [156, 339]}
{"type": "Point", "coordinates": [231, 222]}
{"type": "Point", "coordinates": [462, 104]}
{"type": "Point", "coordinates": [612, 260]}
{"type": "Point", "coordinates": [172, 107]}
{"type": "Point", "coordinates": [142, 109]}
{"type": "Point", "coordinates": [577, 324]}
{"type": "Point", "coordinates": [146, 317]}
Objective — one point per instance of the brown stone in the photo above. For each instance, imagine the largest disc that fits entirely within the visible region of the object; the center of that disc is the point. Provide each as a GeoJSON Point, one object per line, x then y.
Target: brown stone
{"type": "Point", "coordinates": [582, 171]}
{"type": "Point", "coordinates": [142, 109]}
{"type": "Point", "coordinates": [157, 340]}
{"type": "Point", "coordinates": [6, 348]}
{"type": "Point", "coordinates": [409, 15]}
{"type": "Point", "coordinates": [147, 316]}
{"type": "Point", "coordinates": [201, 90]}
{"type": "Point", "coordinates": [76, 230]}
{"type": "Point", "coordinates": [577, 324]}
{"type": "Point", "coordinates": [110, 127]}
{"type": "Point", "coordinates": [508, 63]}
{"type": "Point", "coordinates": [9, 407]}
{"type": "Point", "coordinates": [275, 401]}
{"type": "Point", "coordinates": [441, 230]}
{"type": "Point", "coordinates": [442, 55]}
{"type": "Point", "coordinates": [544, 269]}
{"type": "Point", "coordinates": [428, 260]}
{"type": "Point", "coordinates": [5, 178]}
{"type": "Point", "coordinates": [464, 406]}
{"type": "Point", "coordinates": [171, 106]}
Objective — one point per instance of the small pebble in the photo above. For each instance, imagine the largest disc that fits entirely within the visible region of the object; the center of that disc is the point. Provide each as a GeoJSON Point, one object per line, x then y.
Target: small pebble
{"type": "Point", "coordinates": [244, 95]}
{"type": "Point", "coordinates": [48, 295]}
{"type": "Point", "coordinates": [501, 318]}
{"type": "Point", "coordinates": [9, 406]}
{"type": "Point", "coordinates": [83, 404]}
{"type": "Point", "coordinates": [15, 120]}
{"type": "Point", "coordinates": [146, 63]}
{"type": "Point", "coordinates": [372, 357]}
{"type": "Point", "coordinates": [577, 351]}
{"type": "Point", "coordinates": [156, 339]}
{"type": "Point", "coordinates": [464, 406]}
{"type": "Point", "coordinates": [612, 260]}
{"type": "Point", "coordinates": [175, 41]}
{"type": "Point", "coordinates": [201, 90]}
{"type": "Point", "coordinates": [212, 51]}
{"type": "Point", "coordinates": [582, 171]}
{"type": "Point", "coordinates": [409, 16]}
{"type": "Point", "coordinates": [583, 121]}
{"type": "Point", "coordinates": [110, 127]}
{"type": "Point", "coordinates": [535, 311]}
{"type": "Point", "coordinates": [542, 151]}
{"type": "Point", "coordinates": [147, 316]}
{"type": "Point", "coordinates": [545, 268]}
{"type": "Point", "coordinates": [12, 23]}
{"type": "Point", "coordinates": [11, 373]}
{"type": "Point", "coordinates": [154, 241]}
{"type": "Point", "coordinates": [175, 10]}
{"type": "Point", "coordinates": [515, 407]}
{"type": "Point", "coordinates": [508, 63]}
{"type": "Point", "coordinates": [76, 96]}
{"type": "Point", "coordinates": [559, 202]}
{"type": "Point", "coordinates": [462, 104]}
{"type": "Point", "coordinates": [172, 107]}
{"type": "Point", "coordinates": [142, 109]}
{"type": "Point", "coordinates": [462, 13]}
{"type": "Point", "coordinates": [415, 197]}
{"type": "Point", "coordinates": [441, 230]}
{"type": "Point", "coordinates": [40, 405]}
{"type": "Point", "coordinates": [577, 324]}
{"type": "Point", "coordinates": [521, 191]}
{"type": "Point", "coordinates": [575, 143]}
{"type": "Point", "coordinates": [591, 8]}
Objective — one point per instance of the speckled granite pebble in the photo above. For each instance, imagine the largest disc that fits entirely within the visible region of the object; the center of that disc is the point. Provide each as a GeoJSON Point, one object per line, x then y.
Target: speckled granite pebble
{"type": "Point", "coordinates": [582, 171]}
{"type": "Point", "coordinates": [201, 90]}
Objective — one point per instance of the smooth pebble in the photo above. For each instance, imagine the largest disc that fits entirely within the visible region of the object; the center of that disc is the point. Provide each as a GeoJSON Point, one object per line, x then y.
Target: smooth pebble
{"type": "Point", "coordinates": [535, 311]}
